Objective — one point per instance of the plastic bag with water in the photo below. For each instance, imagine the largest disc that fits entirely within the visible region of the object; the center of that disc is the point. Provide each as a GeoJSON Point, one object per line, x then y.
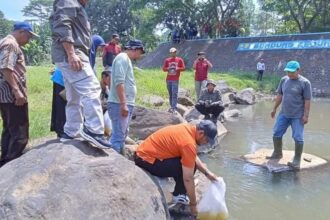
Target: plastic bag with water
{"type": "Point", "coordinates": [213, 206]}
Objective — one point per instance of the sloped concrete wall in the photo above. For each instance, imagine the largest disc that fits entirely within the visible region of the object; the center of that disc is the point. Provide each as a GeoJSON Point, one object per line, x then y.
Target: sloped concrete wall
{"type": "Point", "coordinates": [223, 54]}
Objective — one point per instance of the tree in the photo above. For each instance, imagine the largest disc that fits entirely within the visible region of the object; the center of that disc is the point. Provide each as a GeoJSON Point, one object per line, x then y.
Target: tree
{"type": "Point", "coordinates": [40, 9]}
{"type": "Point", "coordinates": [5, 26]}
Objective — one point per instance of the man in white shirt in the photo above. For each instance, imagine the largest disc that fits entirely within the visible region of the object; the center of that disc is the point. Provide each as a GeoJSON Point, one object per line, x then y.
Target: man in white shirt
{"type": "Point", "coordinates": [260, 69]}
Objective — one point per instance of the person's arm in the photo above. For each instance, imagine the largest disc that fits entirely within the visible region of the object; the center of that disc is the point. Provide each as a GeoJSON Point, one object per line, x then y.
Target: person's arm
{"type": "Point", "coordinates": [278, 101]}
{"type": "Point", "coordinates": [181, 65]}
{"type": "Point", "coordinates": [165, 66]}
{"type": "Point", "coordinates": [307, 106]}
{"type": "Point", "coordinates": [122, 99]}
{"type": "Point", "coordinates": [203, 168]}
{"type": "Point", "coordinates": [73, 59]}
{"type": "Point", "coordinates": [189, 184]}
{"type": "Point", "coordinates": [209, 64]}
{"type": "Point", "coordinates": [10, 79]}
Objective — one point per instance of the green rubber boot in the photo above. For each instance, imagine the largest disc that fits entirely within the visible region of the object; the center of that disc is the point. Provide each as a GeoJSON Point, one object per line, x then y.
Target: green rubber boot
{"type": "Point", "coordinates": [277, 153]}
{"type": "Point", "coordinates": [295, 164]}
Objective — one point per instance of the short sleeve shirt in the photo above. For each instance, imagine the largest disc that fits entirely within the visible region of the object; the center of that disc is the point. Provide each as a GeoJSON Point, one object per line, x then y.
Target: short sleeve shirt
{"type": "Point", "coordinates": [11, 58]}
{"type": "Point", "coordinates": [294, 93]}
{"type": "Point", "coordinates": [171, 142]}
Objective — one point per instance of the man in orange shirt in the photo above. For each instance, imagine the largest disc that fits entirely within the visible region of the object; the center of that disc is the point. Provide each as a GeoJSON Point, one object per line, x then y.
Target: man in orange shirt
{"type": "Point", "coordinates": [172, 152]}
{"type": "Point", "coordinates": [173, 66]}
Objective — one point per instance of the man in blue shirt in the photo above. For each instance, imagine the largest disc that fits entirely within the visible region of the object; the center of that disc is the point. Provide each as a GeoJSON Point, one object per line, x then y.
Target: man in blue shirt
{"type": "Point", "coordinates": [295, 93]}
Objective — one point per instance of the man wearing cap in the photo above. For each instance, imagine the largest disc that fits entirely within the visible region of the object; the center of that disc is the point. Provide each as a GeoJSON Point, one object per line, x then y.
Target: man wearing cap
{"type": "Point", "coordinates": [261, 67]}
{"type": "Point", "coordinates": [71, 36]}
{"type": "Point", "coordinates": [172, 152]}
{"type": "Point", "coordinates": [210, 102]}
{"type": "Point", "coordinates": [201, 66]}
{"type": "Point", "coordinates": [110, 51]}
{"type": "Point", "coordinates": [13, 94]}
{"type": "Point", "coordinates": [123, 92]}
{"type": "Point", "coordinates": [295, 93]}
{"type": "Point", "coordinates": [173, 66]}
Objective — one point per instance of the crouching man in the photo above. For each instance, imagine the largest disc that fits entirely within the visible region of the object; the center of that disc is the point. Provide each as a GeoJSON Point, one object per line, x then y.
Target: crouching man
{"type": "Point", "coordinates": [172, 152]}
{"type": "Point", "coordinates": [209, 102]}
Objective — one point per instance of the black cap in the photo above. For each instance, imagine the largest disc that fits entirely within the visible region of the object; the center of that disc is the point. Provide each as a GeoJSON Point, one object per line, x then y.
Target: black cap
{"type": "Point", "coordinates": [135, 44]}
{"type": "Point", "coordinates": [210, 130]}
{"type": "Point", "coordinates": [201, 53]}
{"type": "Point", "coordinates": [115, 36]}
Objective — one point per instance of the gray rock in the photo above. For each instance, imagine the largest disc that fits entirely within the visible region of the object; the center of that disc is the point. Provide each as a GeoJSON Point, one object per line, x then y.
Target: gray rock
{"type": "Point", "coordinates": [223, 87]}
{"type": "Point", "coordinates": [234, 113]}
{"type": "Point", "coordinates": [182, 109]}
{"type": "Point", "coordinates": [77, 181]}
{"type": "Point", "coordinates": [246, 97]}
{"type": "Point", "coordinates": [185, 100]}
{"type": "Point", "coordinates": [147, 121]}
{"type": "Point", "coordinates": [228, 98]}
{"type": "Point", "coordinates": [193, 114]}
{"type": "Point", "coordinates": [184, 92]}
{"type": "Point", "coordinates": [153, 100]}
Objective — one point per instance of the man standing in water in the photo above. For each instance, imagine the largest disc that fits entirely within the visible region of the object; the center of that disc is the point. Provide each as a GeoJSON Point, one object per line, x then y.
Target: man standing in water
{"type": "Point", "coordinates": [294, 92]}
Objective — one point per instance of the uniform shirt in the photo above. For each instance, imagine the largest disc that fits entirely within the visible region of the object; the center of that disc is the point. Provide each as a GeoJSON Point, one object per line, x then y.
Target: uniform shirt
{"type": "Point", "coordinates": [69, 23]}
{"type": "Point", "coordinates": [215, 96]}
{"type": "Point", "coordinates": [122, 73]}
{"type": "Point", "coordinates": [171, 142]}
{"type": "Point", "coordinates": [11, 58]}
{"type": "Point", "coordinates": [294, 93]}
{"type": "Point", "coordinates": [201, 70]}
{"type": "Point", "coordinates": [173, 66]}
{"type": "Point", "coordinates": [261, 66]}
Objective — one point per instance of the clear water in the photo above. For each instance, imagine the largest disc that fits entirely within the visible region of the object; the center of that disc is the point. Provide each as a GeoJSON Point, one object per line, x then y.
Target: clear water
{"type": "Point", "coordinates": [253, 192]}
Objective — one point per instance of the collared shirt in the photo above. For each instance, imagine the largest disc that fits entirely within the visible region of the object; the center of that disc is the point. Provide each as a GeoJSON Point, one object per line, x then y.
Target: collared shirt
{"type": "Point", "coordinates": [110, 51]}
{"type": "Point", "coordinates": [173, 66]}
{"type": "Point", "coordinates": [214, 96]}
{"type": "Point", "coordinates": [201, 70]}
{"type": "Point", "coordinates": [11, 58]}
{"type": "Point", "coordinates": [69, 23]}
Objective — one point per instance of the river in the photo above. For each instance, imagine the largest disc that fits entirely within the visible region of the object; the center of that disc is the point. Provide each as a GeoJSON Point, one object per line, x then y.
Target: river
{"type": "Point", "coordinates": [253, 193]}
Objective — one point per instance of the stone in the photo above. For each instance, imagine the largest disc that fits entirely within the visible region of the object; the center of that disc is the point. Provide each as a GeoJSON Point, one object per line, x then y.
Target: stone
{"type": "Point", "coordinates": [223, 87]}
{"type": "Point", "coordinates": [193, 114]}
{"type": "Point", "coordinates": [147, 121]}
{"type": "Point", "coordinates": [181, 109]}
{"type": "Point", "coordinates": [153, 100]}
{"type": "Point", "coordinates": [185, 100]}
{"type": "Point", "coordinates": [245, 97]}
{"type": "Point", "coordinates": [228, 98]}
{"type": "Point", "coordinates": [77, 181]}
{"type": "Point", "coordinates": [233, 113]}
{"type": "Point", "coordinates": [259, 158]}
{"type": "Point", "coordinates": [184, 92]}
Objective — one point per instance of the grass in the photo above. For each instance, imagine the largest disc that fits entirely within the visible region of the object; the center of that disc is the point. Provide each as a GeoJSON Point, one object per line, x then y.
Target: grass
{"type": "Point", "coordinates": [149, 81]}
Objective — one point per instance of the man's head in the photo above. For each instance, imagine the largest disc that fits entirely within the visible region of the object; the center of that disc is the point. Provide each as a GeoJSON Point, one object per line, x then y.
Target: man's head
{"type": "Point", "coordinates": [206, 132]}
{"type": "Point", "coordinates": [23, 33]}
{"type": "Point", "coordinates": [83, 2]}
{"type": "Point", "coordinates": [292, 69]}
{"type": "Point", "coordinates": [210, 85]}
{"type": "Point", "coordinates": [105, 77]}
{"type": "Point", "coordinates": [201, 55]}
{"type": "Point", "coordinates": [173, 52]}
{"type": "Point", "coordinates": [135, 49]}
{"type": "Point", "coordinates": [261, 60]}
{"type": "Point", "coordinates": [115, 39]}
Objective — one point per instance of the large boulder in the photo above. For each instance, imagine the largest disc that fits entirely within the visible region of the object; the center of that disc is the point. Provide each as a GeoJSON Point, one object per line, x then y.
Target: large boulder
{"type": "Point", "coordinates": [193, 114]}
{"type": "Point", "coordinates": [223, 87]}
{"type": "Point", "coordinates": [153, 100]}
{"type": "Point", "coordinates": [147, 121]}
{"type": "Point", "coordinates": [246, 97]}
{"type": "Point", "coordinates": [181, 109]}
{"type": "Point", "coordinates": [233, 113]}
{"type": "Point", "coordinates": [77, 181]}
{"type": "Point", "coordinates": [185, 100]}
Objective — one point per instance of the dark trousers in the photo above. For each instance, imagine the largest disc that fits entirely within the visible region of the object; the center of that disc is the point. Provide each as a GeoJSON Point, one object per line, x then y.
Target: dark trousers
{"type": "Point", "coordinates": [259, 76]}
{"type": "Point", "coordinates": [58, 118]}
{"type": "Point", "coordinates": [166, 168]}
{"type": "Point", "coordinates": [214, 110]}
{"type": "Point", "coordinates": [15, 133]}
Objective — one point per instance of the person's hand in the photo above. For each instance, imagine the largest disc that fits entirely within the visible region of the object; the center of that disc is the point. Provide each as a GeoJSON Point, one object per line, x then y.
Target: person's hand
{"type": "Point", "coordinates": [305, 119]}
{"type": "Point", "coordinates": [75, 62]}
{"type": "Point", "coordinates": [211, 176]}
{"type": "Point", "coordinates": [207, 103]}
{"type": "Point", "coordinates": [123, 110]}
{"type": "Point", "coordinates": [19, 98]}
{"type": "Point", "coordinates": [193, 209]}
{"type": "Point", "coordinates": [273, 113]}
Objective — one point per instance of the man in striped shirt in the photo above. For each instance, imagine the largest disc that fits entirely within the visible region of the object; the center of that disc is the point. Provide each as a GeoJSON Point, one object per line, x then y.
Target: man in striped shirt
{"type": "Point", "coordinates": [13, 96]}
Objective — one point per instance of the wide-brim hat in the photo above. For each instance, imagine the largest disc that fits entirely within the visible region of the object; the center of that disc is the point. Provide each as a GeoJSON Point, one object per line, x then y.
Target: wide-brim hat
{"type": "Point", "coordinates": [211, 81]}
{"type": "Point", "coordinates": [134, 44]}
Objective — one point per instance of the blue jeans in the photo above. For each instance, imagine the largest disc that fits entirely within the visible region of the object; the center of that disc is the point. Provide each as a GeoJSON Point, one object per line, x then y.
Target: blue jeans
{"type": "Point", "coordinates": [173, 89]}
{"type": "Point", "coordinates": [119, 125]}
{"type": "Point", "coordinates": [282, 124]}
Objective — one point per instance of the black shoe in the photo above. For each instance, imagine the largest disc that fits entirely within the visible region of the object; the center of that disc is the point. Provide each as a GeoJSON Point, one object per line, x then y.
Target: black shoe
{"type": "Point", "coordinates": [99, 140]}
{"type": "Point", "coordinates": [64, 137]}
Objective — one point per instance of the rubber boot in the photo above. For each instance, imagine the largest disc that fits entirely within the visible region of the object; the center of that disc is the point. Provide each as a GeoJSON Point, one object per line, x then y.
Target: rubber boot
{"type": "Point", "coordinates": [295, 164]}
{"type": "Point", "coordinates": [277, 153]}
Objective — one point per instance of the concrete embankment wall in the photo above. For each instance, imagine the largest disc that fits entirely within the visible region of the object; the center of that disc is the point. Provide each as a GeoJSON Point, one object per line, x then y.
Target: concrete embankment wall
{"type": "Point", "coordinates": [223, 53]}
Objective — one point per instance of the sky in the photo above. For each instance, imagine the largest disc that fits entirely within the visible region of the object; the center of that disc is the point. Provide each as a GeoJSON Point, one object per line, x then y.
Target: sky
{"type": "Point", "coordinates": [13, 9]}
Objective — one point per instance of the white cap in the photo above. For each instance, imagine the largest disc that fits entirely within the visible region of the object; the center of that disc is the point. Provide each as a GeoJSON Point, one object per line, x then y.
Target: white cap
{"type": "Point", "coordinates": [173, 50]}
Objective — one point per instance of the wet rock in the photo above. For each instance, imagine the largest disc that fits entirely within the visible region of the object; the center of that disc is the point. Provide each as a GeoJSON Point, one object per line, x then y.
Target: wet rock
{"type": "Point", "coordinates": [182, 109]}
{"type": "Point", "coordinates": [153, 100]}
{"type": "Point", "coordinates": [228, 98]}
{"type": "Point", "coordinates": [234, 113]}
{"type": "Point", "coordinates": [77, 181]}
{"type": "Point", "coordinates": [147, 121]}
{"type": "Point", "coordinates": [193, 114]}
{"type": "Point", "coordinates": [185, 100]}
{"type": "Point", "coordinates": [184, 92]}
{"type": "Point", "coordinates": [245, 97]}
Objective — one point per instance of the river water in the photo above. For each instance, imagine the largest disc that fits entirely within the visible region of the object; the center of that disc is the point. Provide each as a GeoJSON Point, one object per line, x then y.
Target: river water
{"type": "Point", "coordinates": [253, 193]}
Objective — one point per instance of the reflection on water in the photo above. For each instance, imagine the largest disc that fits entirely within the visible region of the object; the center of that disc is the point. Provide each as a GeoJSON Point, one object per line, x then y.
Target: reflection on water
{"type": "Point", "coordinates": [253, 192]}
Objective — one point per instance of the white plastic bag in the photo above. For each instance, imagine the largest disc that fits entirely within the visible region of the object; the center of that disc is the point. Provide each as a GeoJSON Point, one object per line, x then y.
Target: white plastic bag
{"type": "Point", "coordinates": [212, 206]}
{"type": "Point", "coordinates": [107, 124]}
